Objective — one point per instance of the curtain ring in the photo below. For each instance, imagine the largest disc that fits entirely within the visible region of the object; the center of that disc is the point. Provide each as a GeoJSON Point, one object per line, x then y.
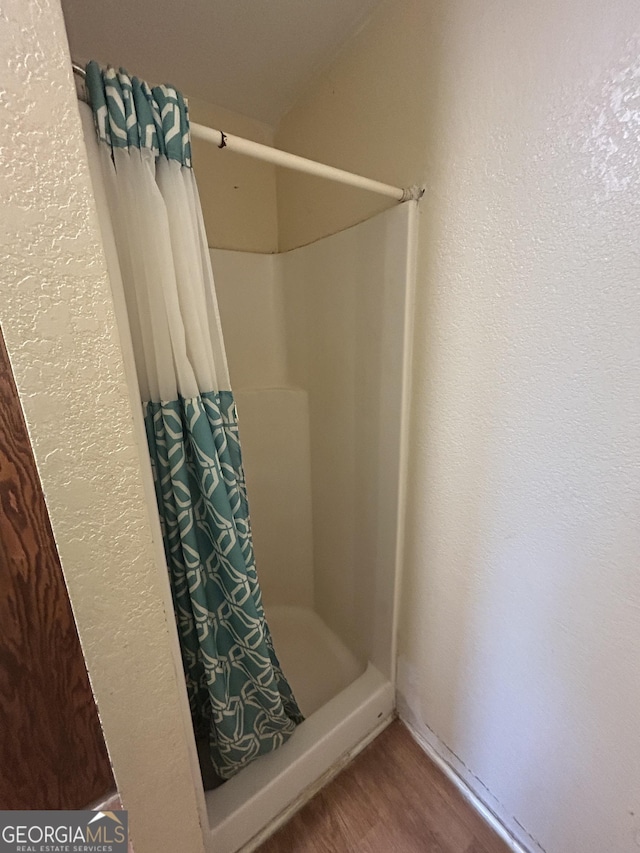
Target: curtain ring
{"type": "Point", "coordinates": [223, 140]}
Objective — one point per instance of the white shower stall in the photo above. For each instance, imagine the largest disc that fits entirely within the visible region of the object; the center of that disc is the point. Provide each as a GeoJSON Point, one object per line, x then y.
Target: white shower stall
{"type": "Point", "coordinates": [318, 343]}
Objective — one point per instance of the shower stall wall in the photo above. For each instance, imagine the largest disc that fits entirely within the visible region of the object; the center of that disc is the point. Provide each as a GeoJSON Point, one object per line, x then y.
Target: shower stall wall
{"type": "Point", "coordinates": [318, 345]}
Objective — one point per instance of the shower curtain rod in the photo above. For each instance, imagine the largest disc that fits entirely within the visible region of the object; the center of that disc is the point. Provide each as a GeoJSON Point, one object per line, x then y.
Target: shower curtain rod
{"type": "Point", "coordinates": [291, 161]}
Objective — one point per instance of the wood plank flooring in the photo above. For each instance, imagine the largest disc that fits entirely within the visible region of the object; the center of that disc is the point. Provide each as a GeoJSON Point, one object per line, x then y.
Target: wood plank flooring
{"type": "Point", "coordinates": [390, 799]}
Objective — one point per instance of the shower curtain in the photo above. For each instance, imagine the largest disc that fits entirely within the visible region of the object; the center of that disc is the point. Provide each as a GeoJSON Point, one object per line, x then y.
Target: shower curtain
{"type": "Point", "coordinates": [237, 692]}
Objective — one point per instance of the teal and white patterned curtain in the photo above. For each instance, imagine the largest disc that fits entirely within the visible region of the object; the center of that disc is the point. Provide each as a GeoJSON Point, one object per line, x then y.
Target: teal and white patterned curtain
{"type": "Point", "coordinates": [237, 691]}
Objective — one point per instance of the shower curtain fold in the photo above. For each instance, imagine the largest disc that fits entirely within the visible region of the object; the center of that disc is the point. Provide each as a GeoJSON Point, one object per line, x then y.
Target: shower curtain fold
{"type": "Point", "coordinates": [140, 154]}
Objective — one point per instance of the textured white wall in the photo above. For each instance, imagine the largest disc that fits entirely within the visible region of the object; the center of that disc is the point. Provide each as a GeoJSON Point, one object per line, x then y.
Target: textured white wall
{"type": "Point", "coordinates": [57, 316]}
{"type": "Point", "coordinates": [520, 634]}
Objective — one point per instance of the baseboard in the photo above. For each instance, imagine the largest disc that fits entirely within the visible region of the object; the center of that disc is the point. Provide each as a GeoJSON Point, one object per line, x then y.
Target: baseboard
{"type": "Point", "coordinates": [485, 812]}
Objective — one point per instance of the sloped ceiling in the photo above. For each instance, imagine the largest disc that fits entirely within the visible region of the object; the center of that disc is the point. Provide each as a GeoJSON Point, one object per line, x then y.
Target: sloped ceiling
{"type": "Point", "coordinates": [251, 56]}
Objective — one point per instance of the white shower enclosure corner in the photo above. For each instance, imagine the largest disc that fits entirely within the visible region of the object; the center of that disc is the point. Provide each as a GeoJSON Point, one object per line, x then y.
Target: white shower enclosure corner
{"type": "Point", "coordinates": [318, 343]}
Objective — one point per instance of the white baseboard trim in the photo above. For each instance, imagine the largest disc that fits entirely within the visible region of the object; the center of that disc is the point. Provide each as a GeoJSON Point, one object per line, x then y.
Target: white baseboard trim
{"type": "Point", "coordinates": [468, 793]}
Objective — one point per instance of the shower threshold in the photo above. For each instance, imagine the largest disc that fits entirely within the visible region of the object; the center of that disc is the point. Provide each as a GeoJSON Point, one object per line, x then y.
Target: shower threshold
{"type": "Point", "coordinates": [344, 708]}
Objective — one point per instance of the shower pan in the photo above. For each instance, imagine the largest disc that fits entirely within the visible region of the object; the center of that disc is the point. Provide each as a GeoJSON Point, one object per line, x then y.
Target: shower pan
{"type": "Point", "coordinates": [318, 343]}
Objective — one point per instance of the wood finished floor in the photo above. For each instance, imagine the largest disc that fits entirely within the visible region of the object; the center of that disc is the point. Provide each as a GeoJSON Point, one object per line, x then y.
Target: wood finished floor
{"type": "Point", "coordinates": [390, 799]}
